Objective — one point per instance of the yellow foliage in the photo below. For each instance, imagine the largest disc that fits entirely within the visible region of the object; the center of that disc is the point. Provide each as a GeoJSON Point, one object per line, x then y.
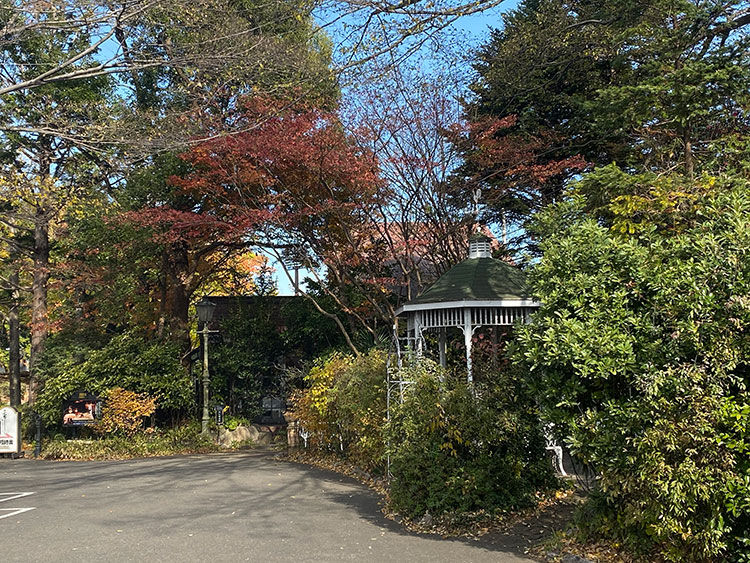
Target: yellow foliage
{"type": "Point", "coordinates": [33, 198]}
{"type": "Point", "coordinates": [233, 274]}
{"type": "Point", "coordinates": [321, 379]}
{"type": "Point", "coordinates": [124, 411]}
{"type": "Point", "coordinates": [663, 204]}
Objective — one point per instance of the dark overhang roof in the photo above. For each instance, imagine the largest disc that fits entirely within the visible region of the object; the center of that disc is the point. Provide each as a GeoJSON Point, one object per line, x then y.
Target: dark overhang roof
{"type": "Point", "coordinates": [477, 279]}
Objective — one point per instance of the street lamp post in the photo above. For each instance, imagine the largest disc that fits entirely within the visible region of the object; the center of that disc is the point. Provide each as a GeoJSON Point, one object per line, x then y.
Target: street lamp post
{"type": "Point", "coordinates": [205, 309]}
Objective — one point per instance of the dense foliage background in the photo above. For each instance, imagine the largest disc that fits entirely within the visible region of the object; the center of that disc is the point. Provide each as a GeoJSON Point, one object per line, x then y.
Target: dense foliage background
{"type": "Point", "coordinates": [608, 141]}
{"type": "Point", "coordinates": [640, 356]}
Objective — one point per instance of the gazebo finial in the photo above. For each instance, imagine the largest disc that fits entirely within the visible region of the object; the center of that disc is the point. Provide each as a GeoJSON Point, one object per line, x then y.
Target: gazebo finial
{"type": "Point", "coordinates": [476, 197]}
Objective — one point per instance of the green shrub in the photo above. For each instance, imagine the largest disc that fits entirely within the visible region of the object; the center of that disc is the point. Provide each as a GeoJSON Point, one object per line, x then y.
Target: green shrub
{"type": "Point", "coordinates": [129, 361]}
{"type": "Point", "coordinates": [344, 407]}
{"type": "Point", "coordinates": [454, 449]}
{"type": "Point", "coordinates": [232, 422]}
{"type": "Point", "coordinates": [450, 450]}
{"type": "Point", "coordinates": [181, 440]}
{"type": "Point", "coordinates": [640, 353]}
{"type": "Point", "coordinates": [664, 469]}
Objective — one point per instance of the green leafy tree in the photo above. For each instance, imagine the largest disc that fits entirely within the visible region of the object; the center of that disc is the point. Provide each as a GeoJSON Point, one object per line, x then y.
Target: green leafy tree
{"type": "Point", "coordinates": [640, 355]}
{"type": "Point", "coordinates": [45, 175]}
{"type": "Point", "coordinates": [129, 360]}
{"type": "Point", "coordinates": [127, 273]}
{"type": "Point", "coordinates": [247, 362]}
{"type": "Point", "coordinates": [652, 86]}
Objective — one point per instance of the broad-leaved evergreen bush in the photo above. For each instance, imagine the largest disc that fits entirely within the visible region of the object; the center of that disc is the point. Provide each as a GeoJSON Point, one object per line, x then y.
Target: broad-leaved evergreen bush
{"type": "Point", "coordinates": [129, 360]}
{"type": "Point", "coordinates": [455, 448]}
{"type": "Point", "coordinates": [640, 355]}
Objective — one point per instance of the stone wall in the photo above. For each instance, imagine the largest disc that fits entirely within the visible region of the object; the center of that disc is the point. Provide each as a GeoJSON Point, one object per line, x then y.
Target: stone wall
{"type": "Point", "coordinates": [258, 434]}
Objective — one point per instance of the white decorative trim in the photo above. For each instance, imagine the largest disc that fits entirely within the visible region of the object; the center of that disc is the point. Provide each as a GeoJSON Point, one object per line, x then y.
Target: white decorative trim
{"type": "Point", "coordinates": [469, 304]}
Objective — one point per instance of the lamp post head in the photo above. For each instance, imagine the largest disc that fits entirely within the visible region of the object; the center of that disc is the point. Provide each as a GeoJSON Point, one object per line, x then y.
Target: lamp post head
{"type": "Point", "coordinates": [205, 309]}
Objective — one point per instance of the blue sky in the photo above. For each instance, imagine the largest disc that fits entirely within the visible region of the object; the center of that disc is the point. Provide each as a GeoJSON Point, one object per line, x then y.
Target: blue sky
{"type": "Point", "coordinates": [478, 25]}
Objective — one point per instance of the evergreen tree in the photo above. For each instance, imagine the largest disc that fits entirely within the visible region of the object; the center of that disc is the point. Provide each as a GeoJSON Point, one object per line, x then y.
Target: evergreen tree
{"type": "Point", "coordinates": [652, 86]}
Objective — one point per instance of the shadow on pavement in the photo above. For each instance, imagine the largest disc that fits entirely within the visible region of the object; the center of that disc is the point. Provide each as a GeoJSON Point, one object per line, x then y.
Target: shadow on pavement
{"type": "Point", "coordinates": [250, 485]}
{"type": "Point", "coordinates": [516, 539]}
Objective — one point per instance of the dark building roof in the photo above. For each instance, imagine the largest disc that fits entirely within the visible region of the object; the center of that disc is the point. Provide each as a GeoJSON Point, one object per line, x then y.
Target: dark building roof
{"type": "Point", "coordinates": [226, 306]}
{"type": "Point", "coordinates": [477, 279]}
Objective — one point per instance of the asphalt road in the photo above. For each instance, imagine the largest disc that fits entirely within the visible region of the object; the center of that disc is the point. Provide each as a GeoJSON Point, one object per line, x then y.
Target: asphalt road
{"type": "Point", "coordinates": [222, 507]}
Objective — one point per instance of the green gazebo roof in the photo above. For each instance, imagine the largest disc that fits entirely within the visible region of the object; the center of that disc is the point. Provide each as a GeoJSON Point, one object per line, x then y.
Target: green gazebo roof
{"type": "Point", "coordinates": [477, 279]}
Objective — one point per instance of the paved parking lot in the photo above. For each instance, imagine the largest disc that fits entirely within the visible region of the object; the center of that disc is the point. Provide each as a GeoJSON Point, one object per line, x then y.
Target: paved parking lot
{"type": "Point", "coordinates": [223, 507]}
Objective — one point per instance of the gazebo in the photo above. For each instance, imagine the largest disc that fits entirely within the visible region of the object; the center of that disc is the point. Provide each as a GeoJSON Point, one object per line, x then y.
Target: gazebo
{"type": "Point", "coordinates": [479, 292]}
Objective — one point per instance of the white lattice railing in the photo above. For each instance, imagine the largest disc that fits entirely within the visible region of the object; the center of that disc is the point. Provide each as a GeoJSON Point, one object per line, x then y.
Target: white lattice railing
{"type": "Point", "coordinates": [480, 316]}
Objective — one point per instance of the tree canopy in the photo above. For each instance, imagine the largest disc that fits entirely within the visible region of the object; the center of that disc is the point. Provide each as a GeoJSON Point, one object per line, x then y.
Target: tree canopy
{"type": "Point", "coordinates": [154, 152]}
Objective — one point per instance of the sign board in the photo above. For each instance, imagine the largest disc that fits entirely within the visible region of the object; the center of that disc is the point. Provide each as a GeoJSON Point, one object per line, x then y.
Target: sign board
{"type": "Point", "coordinates": [81, 408]}
{"type": "Point", "coordinates": [10, 431]}
{"type": "Point", "coordinates": [219, 411]}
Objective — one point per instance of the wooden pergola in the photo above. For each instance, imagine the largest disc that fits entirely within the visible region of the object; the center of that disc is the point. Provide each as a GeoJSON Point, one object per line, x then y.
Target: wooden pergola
{"type": "Point", "coordinates": [478, 292]}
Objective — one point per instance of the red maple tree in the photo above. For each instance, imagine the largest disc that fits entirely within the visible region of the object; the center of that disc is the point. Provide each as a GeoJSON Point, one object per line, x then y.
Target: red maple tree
{"type": "Point", "coordinates": [291, 180]}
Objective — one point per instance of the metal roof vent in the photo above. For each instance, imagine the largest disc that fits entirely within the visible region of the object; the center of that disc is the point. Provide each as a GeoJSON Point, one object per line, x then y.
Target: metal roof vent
{"type": "Point", "coordinates": [480, 247]}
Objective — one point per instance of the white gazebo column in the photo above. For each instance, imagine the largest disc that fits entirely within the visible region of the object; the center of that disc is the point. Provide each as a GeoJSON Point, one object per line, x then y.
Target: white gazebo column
{"type": "Point", "coordinates": [418, 334]}
{"type": "Point", "coordinates": [468, 334]}
{"type": "Point", "coordinates": [441, 345]}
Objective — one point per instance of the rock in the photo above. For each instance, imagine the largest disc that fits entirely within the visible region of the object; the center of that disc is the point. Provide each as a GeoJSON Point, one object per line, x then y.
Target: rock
{"type": "Point", "coordinates": [264, 438]}
{"type": "Point", "coordinates": [247, 433]}
{"type": "Point", "coordinates": [239, 434]}
{"type": "Point", "coordinates": [426, 520]}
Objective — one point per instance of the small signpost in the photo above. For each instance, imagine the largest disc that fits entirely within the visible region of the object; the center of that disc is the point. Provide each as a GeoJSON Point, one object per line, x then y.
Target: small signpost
{"type": "Point", "coordinates": [10, 432]}
{"type": "Point", "coordinates": [219, 411]}
{"type": "Point", "coordinates": [81, 409]}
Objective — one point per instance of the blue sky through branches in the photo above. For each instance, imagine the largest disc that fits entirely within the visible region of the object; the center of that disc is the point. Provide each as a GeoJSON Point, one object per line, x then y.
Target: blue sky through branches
{"type": "Point", "coordinates": [452, 46]}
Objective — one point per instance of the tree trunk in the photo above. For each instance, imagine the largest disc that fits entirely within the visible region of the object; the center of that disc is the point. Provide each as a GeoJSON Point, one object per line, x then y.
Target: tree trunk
{"type": "Point", "coordinates": [177, 304]}
{"type": "Point", "coordinates": [689, 160]}
{"type": "Point", "coordinates": [15, 345]}
{"type": "Point", "coordinates": [162, 321]}
{"type": "Point", "coordinates": [39, 283]}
